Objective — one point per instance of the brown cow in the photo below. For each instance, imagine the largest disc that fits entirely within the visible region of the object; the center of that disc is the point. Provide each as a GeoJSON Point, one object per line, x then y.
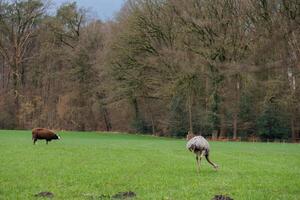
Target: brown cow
{"type": "Point", "coordinates": [44, 134]}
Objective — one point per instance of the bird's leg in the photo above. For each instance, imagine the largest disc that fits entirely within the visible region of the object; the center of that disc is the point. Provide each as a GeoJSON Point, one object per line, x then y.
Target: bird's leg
{"type": "Point", "coordinates": [198, 167]}
{"type": "Point", "coordinates": [213, 164]}
{"type": "Point", "coordinates": [201, 156]}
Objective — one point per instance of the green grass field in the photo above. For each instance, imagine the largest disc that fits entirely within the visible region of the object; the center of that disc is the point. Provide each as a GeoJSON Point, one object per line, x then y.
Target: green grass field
{"type": "Point", "coordinates": [87, 165]}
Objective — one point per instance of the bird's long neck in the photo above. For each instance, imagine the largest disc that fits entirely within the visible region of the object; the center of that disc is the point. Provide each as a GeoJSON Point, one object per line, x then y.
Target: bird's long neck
{"type": "Point", "coordinates": [190, 136]}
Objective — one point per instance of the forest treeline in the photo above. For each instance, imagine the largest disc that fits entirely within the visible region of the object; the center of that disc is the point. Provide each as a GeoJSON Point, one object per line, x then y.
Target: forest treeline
{"type": "Point", "coordinates": [225, 68]}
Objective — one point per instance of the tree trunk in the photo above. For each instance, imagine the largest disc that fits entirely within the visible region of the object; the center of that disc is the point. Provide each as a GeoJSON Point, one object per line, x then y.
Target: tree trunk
{"type": "Point", "coordinates": [136, 108]}
{"type": "Point", "coordinates": [16, 97]}
{"type": "Point", "coordinates": [106, 120]}
{"type": "Point", "coordinates": [216, 80]}
{"type": "Point", "coordinates": [3, 72]}
{"type": "Point", "coordinates": [149, 111]}
{"type": "Point", "coordinates": [293, 130]}
{"type": "Point", "coordinates": [152, 120]}
{"type": "Point", "coordinates": [235, 119]}
{"type": "Point", "coordinates": [237, 103]}
{"type": "Point", "coordinates": [153, 125]}
{"type": "Point", "coordinates": [190, 114]}
{"type": "Point", "coordinates": [223, 128]}
{"type": "Point", "coordinates": [215, 134]}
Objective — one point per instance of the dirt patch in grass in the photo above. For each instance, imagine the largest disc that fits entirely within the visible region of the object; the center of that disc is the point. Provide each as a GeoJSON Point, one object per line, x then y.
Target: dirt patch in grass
{"type": "Point", "coordinates": [45, 194]}
{"type": "Point", "coordinates": [98, 197]}
{"type": "Point", "coordinates": [221, 197]}
{"type": "Point", "coordinates": [124, 195]}
{"type": "Point", "coordinates": [121, 195]}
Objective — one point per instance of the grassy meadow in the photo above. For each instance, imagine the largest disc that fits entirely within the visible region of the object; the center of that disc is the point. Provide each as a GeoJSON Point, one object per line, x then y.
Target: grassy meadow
{"type": "Point", "coordinates": [88, 165]}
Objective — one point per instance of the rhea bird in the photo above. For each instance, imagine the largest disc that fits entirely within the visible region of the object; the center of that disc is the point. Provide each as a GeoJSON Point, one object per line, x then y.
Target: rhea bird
{"type": "Point", "coordinates": [199, 146]}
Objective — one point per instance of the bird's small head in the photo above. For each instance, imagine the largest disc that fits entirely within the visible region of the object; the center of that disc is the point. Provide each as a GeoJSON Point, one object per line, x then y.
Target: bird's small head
{"type": "Point", "coordinates": [189, 136]}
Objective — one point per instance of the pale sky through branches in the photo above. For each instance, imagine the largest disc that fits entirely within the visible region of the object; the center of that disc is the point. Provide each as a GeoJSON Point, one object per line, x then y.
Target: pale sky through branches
{"type": "Point", "coordinates": [104, 9]}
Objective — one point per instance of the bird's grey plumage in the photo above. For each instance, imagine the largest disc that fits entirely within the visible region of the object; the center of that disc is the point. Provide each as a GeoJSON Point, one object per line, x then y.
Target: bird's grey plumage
{"type": "Point", "coordinates": [198, 144]}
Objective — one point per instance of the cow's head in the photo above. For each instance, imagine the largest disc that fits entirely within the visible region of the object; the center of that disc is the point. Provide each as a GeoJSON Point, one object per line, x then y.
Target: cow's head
{"type": "Point", "coordinates": [57, 137]}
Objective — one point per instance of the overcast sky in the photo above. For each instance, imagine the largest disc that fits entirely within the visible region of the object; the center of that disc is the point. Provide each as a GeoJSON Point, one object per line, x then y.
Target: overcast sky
{"type": "Point", "coordinates": [104, 9]}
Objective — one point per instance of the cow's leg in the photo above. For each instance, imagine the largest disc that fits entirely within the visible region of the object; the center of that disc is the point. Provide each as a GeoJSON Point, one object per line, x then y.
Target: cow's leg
{"type": "Point", "coordinates": [47, 141]}
{"type": "Point", "coordinates": [34, 140]}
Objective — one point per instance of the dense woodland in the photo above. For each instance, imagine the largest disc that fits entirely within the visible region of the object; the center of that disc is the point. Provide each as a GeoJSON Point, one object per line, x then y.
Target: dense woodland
{"type": "Point", "coordinates": [220, 68]}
